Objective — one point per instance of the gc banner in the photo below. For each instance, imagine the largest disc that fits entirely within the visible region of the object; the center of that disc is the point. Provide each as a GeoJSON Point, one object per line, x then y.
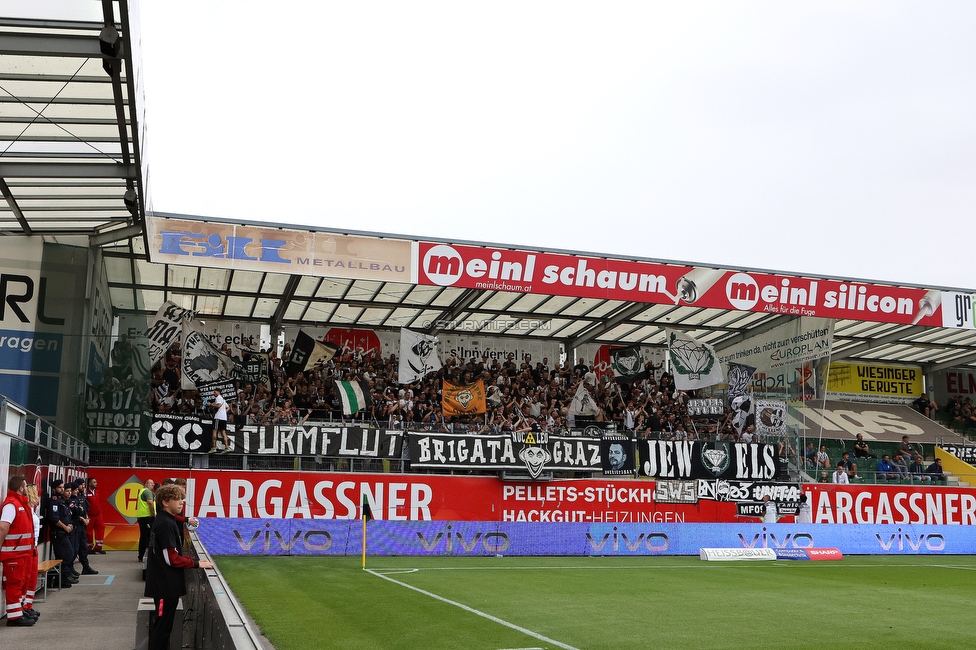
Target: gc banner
{"type": "Point", "coordinates": [188, 433]}
{"type": "Point", "coordinates": [683, 459]}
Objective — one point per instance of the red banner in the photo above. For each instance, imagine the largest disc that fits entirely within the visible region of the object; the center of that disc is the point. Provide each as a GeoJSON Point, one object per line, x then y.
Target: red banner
{"type": "Point", "coordinates": [560, 274]}
{"type": "Point", "coordinates": [323, 495]}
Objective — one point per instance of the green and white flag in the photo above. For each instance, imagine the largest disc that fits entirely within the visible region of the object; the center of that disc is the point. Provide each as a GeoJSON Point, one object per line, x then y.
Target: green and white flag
{"type": "Point", "coordinates": [354, 396]}
{"type": "Point", "coordinates": [693, 363]}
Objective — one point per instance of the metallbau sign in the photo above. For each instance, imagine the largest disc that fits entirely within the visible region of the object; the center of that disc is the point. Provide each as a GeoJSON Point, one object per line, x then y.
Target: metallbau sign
{"type": "Point", "coordinates": [278, 250]}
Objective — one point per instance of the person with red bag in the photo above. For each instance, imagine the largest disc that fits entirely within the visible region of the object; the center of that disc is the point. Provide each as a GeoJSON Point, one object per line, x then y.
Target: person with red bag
{"type": "Point", "coordinates": [96, 526]}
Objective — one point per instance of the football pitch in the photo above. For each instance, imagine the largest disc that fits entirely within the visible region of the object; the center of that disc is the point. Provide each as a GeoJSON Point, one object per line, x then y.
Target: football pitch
{"type": "Point", "coordinates": [303, 602]}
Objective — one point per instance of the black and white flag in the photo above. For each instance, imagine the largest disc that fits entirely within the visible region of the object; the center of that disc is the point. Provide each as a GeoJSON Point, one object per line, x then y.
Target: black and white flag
{"type": "Point", "coordinates": [308, 353]}
{"type": "Point", "coordinates": [418, 356]}
{"type": "Point", "coordinates": [165, 329]}
{"type": "Point", "coordinates": [202, 362]}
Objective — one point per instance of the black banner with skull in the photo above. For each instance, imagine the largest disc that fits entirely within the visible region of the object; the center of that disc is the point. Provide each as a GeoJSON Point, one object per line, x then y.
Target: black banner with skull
{"type": "Point", "coordinates": [534, 452]}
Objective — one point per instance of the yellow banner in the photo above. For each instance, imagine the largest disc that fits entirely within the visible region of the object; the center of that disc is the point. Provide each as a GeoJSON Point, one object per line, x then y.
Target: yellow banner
{"type": "Point", "coordinates": [871, 379]}
{"type": "Point", "coordinates": [278, 250]}
{"type": "Point", "coordinates": [461, 399]}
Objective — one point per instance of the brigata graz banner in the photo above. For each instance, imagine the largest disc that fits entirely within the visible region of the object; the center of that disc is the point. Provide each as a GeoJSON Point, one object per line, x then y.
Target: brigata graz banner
{"type": "Point", "coordinates": [190, 433]}
{"type": "Point", "coordinates": [534, 452]}
{"type": "Point", "coordinates": [481, 538]}
{"type": "Point", "coordinates": [712, 460]}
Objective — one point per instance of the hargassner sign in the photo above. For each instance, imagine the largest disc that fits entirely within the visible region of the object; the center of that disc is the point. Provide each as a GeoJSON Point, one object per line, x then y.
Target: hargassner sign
{"type": "Point", "coordinates": [503, 269]}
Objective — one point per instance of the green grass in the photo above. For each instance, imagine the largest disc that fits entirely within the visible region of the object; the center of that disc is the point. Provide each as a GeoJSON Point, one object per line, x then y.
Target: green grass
{"type": "Point", "coordinates": [651, 602]}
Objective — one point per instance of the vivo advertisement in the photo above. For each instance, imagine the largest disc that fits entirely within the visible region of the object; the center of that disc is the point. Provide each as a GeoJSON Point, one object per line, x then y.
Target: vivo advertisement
{"type": "Point", "coordinates": [320, 537]}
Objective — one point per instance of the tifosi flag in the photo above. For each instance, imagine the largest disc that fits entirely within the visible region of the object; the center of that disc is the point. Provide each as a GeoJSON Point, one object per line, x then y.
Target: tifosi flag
{"type": "Point", "coordinates": [308, 353]}
{"type": "Point", "coordinates": [463, 399]}
{"type": "Point", "coordinates": [694, 363]}
{"type": "Point", "coordinates": [354, 395]}
{"type": "Point", "coordinates": [583, 403]}
{"type": "Point", "coordinates": [204, 364]}
{"type": "Point", "coordinates": [418, 356]}
{"type": "Point", "coordinates": [627, 364]}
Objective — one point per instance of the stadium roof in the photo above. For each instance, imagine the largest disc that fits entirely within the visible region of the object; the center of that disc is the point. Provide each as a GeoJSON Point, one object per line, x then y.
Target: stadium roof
{"type": "Point", "coordinates": [71, 163]}
{"type": "Point", "coordinates": [70, 118]}
{"type": "Point", "coordinates": [280, 299]}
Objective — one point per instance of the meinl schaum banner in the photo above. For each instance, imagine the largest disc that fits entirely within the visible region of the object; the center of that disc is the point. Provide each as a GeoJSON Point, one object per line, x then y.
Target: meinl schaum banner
{"type": "Point", "coordinates": [534, 452]}
{"type": "Point", "coordinates": [712, 460]}
{"type": "Point", "coordinates": [190, 433]}
{"type": "Point", "coordinates": [565, 274]}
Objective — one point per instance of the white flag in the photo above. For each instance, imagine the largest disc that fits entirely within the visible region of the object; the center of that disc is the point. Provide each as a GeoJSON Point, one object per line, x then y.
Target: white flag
{"type": "Point", "coordinates": [583, 403]}
{"type": "Point", "coordinates": [418, 356]}
{"type": "Point", "coordinates": [694, 364]}
{"type": "Point", "coordinates": [164, 330]}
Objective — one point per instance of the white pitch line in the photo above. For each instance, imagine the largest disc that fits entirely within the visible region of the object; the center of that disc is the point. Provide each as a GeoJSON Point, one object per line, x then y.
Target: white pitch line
{"type": "Point", "coordinates": [494, 619]}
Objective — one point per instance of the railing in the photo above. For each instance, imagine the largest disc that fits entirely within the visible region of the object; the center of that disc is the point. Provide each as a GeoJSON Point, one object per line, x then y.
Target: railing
{"type": "Point", "coordinates": [22, 424]}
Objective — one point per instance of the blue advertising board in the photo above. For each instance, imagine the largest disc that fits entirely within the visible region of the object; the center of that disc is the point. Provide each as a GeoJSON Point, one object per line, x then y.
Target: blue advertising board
{"type": "Point", "coordinates": [474, 538]}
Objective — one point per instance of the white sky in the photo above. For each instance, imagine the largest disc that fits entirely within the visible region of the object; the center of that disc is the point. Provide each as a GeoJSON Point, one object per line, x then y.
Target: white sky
{"type": "Point", "coordinates": [825, 138]}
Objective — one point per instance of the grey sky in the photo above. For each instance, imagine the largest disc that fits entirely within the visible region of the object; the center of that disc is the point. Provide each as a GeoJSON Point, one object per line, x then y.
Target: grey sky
{"type": "Point", "coordinates": [823, 138]}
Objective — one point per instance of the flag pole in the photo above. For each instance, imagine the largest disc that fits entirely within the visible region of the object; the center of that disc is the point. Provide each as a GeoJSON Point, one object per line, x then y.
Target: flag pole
{"type": "Point", "coordinates": [364, 542]}
{"type": "Point", "coordinates": [367, 515]}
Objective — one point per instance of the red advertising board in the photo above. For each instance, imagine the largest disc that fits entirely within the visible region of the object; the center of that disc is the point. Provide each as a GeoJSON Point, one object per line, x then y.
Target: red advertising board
{"type": "Point", "coordinates": [503, 269]}
{"type": "Point", "coordinates": [324, 495]}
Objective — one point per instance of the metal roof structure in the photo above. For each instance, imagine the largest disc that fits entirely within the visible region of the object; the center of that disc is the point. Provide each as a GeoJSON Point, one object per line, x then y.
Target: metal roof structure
{"type": "Point", "coordinates": [70, 117]}
{"type": "Point", "coordinates": [279, 300]}
{"type": "Point", "coordinates": [71, 164]}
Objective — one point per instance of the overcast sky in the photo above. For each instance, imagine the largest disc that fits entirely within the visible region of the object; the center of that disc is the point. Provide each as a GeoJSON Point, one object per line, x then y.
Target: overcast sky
{"type": "Point", "coordinates": [824, 138]}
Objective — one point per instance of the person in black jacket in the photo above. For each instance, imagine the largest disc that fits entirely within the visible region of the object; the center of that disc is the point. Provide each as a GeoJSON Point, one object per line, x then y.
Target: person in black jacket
{"type": "Point", "coordinates": [58, 519]}
{"type": "Point", "coordinates": [78, 505]}
{"type": "Point", "coordinates": [165, 580]}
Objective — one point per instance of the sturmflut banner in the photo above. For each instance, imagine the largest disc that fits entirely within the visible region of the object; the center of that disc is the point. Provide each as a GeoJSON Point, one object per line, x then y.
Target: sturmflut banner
{"type": "Point", "coordinates": [182, 433]}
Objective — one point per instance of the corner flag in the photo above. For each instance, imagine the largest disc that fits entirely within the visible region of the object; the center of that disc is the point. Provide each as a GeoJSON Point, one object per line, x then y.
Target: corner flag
{"type": "Point", "coordinates": [367, 516]}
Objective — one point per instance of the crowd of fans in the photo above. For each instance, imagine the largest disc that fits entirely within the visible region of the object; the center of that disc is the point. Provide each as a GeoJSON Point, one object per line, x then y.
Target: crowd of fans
{"type": "Point", "coordinates": [520, 394]}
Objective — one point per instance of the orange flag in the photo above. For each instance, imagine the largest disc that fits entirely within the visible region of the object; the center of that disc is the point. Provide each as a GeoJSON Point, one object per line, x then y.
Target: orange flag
{"type": "Point", "coordinates": [463, 399]}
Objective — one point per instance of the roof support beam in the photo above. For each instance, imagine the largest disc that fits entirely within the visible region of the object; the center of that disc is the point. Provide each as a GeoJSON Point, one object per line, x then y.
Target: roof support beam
{"type": "Point", "coordinates": [864, 346]}
{"type": "Point", "coordinates": [67, 170]}
{"type": "Point", "coordinates": [450, 314]}
{"type": "Point", "coordinates": [754, 331]}
{"type": "Point", "coordinates": [34, 44]}
{"type": "Point", "coordinates": [628, 311]}
{"type": "Point", "coordinates": [955, 363]}
{"type": "Point", "coordinates": [112, 236]}
{"type": "Point", "coordinates": [284, 302]}
{"type": "Point", "coordinates": [12, 202]}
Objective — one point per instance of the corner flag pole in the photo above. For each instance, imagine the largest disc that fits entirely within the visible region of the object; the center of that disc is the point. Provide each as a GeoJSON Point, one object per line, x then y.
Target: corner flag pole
{"type": "Point", "coordinates": [367, 515]}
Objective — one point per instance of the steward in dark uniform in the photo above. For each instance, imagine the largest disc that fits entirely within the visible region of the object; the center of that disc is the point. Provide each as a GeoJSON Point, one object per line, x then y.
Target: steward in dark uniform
{"type": "Point", "coordinates": [58, 519]}
{"type": "Point", "coordinates": [78, 505]}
